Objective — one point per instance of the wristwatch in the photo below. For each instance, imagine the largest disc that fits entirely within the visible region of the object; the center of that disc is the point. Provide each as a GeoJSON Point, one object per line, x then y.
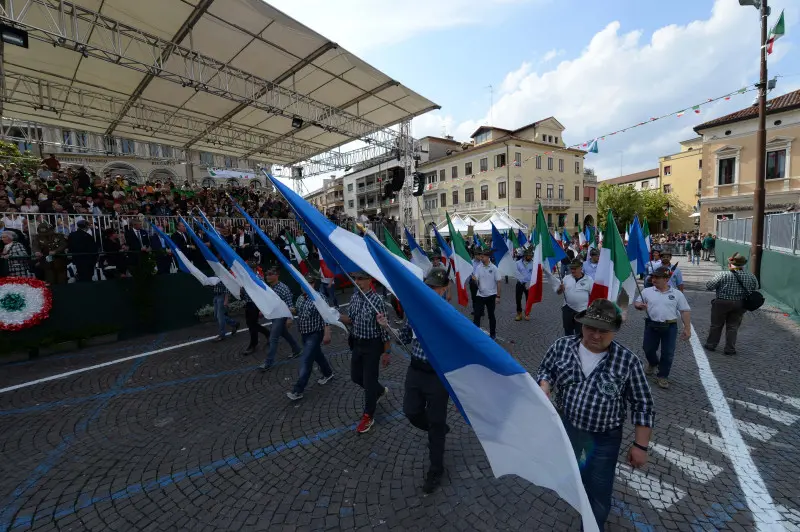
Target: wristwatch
{"type": "Point", "coordinates": [642, 447]}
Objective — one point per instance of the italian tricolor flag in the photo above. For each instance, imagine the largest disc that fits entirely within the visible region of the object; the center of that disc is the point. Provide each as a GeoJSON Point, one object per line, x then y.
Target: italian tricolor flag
{"type": "Point", "coordinates": [460, 261]}
{"type": "Point", "coordinates": [324, 271]}
{"type": "Point", "coordinates": [299, 256]}
{"type": "Point", "coordinates": [646, 234]}
{"type": "Point", "coordinates": [614, 272]}
{"type": "Point", "coordinates": [776, 33]}
{"type": "Point", "coordinates": [543, 250]}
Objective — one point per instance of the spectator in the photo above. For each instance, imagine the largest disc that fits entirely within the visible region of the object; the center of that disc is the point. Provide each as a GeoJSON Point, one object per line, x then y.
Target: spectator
{"type": "Point", "coordinates": [51, 262]}
{"type": "Point", "coordinates": [15, 256]}
{"type": "Point", "coordinates": [83, 249]}
{"type": "Point", "coordinates": [12, 220]}
{"type": "Point", "coordinates": [52, 163]}
{"type": "Point", "coordinates": [113, 258]}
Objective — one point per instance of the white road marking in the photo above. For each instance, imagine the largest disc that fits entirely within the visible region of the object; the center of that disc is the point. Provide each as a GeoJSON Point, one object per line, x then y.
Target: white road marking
{"type": "Point", "coordinates": [754, 430]}
{"type": "Point", "coordinates": [791, 401]}
{"type": "Point", "coordinates": [781, 416]}
{"type": "Point", "coordinates": [700, 470]}
{"type": "Point", "coordinates": [660, 495]}
{"type": "Point", "coordinates": [758, 498]}
{"type": "Point", "coordinates": [712, 440]}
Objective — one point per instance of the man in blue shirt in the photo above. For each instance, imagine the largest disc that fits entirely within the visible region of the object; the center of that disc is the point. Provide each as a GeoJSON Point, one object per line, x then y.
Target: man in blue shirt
{"type": "Point", "coordinates": [524, 272]}
{"type": "Point", "coordinates": [676, 279]}
{"type": "Point", "coordinates": [590, 266]}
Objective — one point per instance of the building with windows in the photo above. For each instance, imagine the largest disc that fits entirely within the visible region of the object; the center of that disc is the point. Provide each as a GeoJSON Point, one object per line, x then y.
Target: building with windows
{"type": "Point", "coordinates": [138, 161]}
{"type": "Point", "coordinates": [512, 170]}
{"type": "Point", "coordinates": [680, 176]}
{"type": "Point", "coordinates": [644, 180]}
{"type": "Point", "coordinates": [729, 161]}
{"type": "Point", "coordinates": [333, 195]}
{"type": "Point", "coordinates": [316, 198]}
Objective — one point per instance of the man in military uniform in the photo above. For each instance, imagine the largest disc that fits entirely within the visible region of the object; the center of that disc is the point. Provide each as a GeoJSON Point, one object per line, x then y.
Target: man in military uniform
{"type": "Point", "coordinates": [49, 247]}
{"type": "Point", "coordinates": [426, 398]}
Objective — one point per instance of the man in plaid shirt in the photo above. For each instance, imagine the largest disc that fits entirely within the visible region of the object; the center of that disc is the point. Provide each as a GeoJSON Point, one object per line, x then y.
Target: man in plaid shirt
{"type": "Point", "coordinates": [220, 312]}
{"type": "Point", "coordinates": [314, 332]}
{"type": "Point", "coordinates": [727, 309]}
{"type": "Point", "coordinates": [426, 398]}
{"type": "Point", "coordinates": [595, 379]}
{"type": "Point", "coordinates": [369, 342]}
{"type": "Point", "coordinates": [280, 326]}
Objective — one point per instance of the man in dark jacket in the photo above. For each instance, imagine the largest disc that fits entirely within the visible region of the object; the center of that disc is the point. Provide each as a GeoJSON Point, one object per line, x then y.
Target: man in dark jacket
{"type": "Point", "coordinates": [83, 248]}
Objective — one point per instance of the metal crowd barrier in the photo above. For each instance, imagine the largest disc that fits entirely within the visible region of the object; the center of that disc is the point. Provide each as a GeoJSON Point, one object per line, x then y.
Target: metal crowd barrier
{"type": "Point", "coordinates": [781, 232]}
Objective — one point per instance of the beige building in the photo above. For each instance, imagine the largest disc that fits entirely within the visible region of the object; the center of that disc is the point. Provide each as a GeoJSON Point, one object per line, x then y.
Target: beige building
{"type": "Point", "coordinates": [316, 198]}
{"type": "Point", "coordinates": [644, 180]}
{"type": "Point", "coordinates": [680, 176]}
{"type": "Point", "coordinates": [515, 171]}
{"type": "Point", "coordinates": [729, 161]}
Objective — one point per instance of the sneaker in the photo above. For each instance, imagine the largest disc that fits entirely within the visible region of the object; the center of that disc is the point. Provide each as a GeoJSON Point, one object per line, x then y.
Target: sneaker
{"type": "Point", "coordinates": [384, 394]}
{"type": "Point", "coordinates": [527, 317]}
{"type": "Point", "coordinates": [432, 481]}
{"type": "Point", "coordinates": [650, 370]}
{"type": "Point", "coordinates": [709, 347]}
{"type": "Point", "coordinates": [662, 383]}
{"type": "Point", "coordinates": [519, 317]}
{"type": "Point", "coordinates": [266, 366]}
{"type": "Point", "coordinates": [235, 329]}
{"type": "Point", "coordinates": [325, 380]}
{"type": "Point", "coordinates": [365, 424]}
{"type": "Point", "coordinates": [218, 339]}
{"type": "Point", "coordinates": [729, 353]}
{"type": "Point", "coordinates": [248, 351]}
{"type": "Point", "coordinates": [294, 396]}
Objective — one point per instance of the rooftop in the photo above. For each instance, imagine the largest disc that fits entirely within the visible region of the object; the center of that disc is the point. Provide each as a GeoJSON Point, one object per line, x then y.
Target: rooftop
{"type": "Point", "coordinates": [633, 178]}
{"type": "Point", "coordinates": [781, 104]}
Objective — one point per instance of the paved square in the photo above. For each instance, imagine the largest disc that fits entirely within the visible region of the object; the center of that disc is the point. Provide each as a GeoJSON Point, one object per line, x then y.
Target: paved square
{"type": "Point", "coordinates": [195, 438]}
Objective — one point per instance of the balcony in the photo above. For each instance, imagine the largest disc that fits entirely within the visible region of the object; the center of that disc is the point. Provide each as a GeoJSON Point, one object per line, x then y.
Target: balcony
{"type": "Point", "coordinates": [555, 203]}
{"type": "Point", "coordinates": [474, 206]}
{"type": "Point", "coordinates": [372, 187]}
{"type": "Point", "coordinates": [430, 187]}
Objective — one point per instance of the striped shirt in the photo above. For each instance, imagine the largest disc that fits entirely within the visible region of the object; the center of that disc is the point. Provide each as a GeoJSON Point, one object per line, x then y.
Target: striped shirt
{"type": "Point", "coordinates": [727, 287]}
{"type": "Point", "coordinates": [363, 314]}
{"type": "Point", "coordinates": [308, 317]}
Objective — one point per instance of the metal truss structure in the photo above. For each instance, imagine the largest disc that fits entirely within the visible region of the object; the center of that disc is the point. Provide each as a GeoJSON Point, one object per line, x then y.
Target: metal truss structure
{"type": "Point", "coordinates": [98, 36]}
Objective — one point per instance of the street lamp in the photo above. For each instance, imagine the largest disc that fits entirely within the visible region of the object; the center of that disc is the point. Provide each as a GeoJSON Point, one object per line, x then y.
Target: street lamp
{"type": "Point", "coordinates": [757, 245]}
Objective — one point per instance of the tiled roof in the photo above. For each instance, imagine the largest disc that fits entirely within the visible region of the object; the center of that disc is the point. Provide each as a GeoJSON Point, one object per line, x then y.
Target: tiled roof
{"type": "Point", "coordinates": [632, 178]}
{"type": "Point", "coordinates": [781, 104]}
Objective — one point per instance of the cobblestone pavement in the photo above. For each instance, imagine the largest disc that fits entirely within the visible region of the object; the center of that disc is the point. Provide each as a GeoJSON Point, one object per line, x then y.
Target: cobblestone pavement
{"type": "Point", "coordinates": [194, 438]}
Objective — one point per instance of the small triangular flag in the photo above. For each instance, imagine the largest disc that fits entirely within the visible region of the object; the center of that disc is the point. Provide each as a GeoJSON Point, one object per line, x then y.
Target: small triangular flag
{"type": "Point", "coordinates": [696, 109]}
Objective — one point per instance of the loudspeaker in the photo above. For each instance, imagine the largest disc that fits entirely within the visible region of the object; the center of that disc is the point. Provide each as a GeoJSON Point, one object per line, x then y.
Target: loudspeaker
{"type": "Point", "coordinates": [297, 172]}
{"type": "Point", "coordinates": [419, 184]}
{"type": "Point", "coordinates": [397, 176]}
{"type": "Point", "coordinates": [388, 192]}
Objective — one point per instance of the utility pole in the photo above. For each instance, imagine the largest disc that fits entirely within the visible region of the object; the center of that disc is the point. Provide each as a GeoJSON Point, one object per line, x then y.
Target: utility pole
{"type": "Point", "coordinates": [757, 245]}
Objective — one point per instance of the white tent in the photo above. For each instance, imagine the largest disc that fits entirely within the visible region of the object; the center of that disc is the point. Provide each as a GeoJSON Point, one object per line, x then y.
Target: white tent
{"type": "Point", "coordinates": [459, 224]}
{"type": "Point", "coordinates": [501, 220]}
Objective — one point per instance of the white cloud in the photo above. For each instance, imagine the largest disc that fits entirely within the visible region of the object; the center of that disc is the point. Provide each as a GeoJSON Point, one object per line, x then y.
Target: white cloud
{"type": "Point", "coordinates": [621, 79]}
{"type": "Point", "coordinates": [552, 54]}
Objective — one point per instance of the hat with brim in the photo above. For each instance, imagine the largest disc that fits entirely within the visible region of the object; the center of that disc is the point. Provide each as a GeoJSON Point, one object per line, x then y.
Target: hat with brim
{"type": "Point", "coordinates": [312, 275]}
{"type": "Point", "coordinates": [527, 253]}
{"type": "Point", "coordinates": [594, 252]}
{"type": "Point", "coordinates": [738, 260]}
{"type": "Point", "coordinates": [271, 270]}
{"type": "Point", "coordinates": [602, 314]}
{"type": "Point", "coordinates": [484, 252]}
{"type": "Point", "coordinates": [360, 274]}
{"type": "Point", "coordinates": [662, 272]}
{"type": "Point", "coordinates": [437, 278]}
{"type": "Point", "coordinates": [576, 264]}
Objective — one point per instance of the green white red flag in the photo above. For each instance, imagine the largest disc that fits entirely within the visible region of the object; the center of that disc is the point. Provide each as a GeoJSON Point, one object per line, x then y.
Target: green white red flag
{"type": "Point", "coordinates": [614, 273]}
{"type": "Point", "coordinates": [299, 256]}
{"type": "Point", "coordinates": [543, 250]}
{"type": "Point", "coordinates": [777, 31]}
{"type": "Point", "coordinates": [460, 262]}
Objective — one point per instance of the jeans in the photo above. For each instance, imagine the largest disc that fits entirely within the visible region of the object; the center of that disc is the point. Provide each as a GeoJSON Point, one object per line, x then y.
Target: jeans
{"type": "Point", "coordinates": [280, 330]}
{"type": "Point", "coordinates": [473, 292]}
{"type": "Point", "coordinates": [251, 313]}
{"type": "Point", "coordinates": [725, 313]}
{"type": "Point", "coordinates": [329, 291]}
{"type": "Point", "coordinates": [222, 316]}
{"type": "Point", "coordinates": [488, 303]}
{"type": "Point", "coordinates": [695, 257]}
{"type": "Point", "coordinates": [312, 352]}
{"type": "Point", "coordinates": [666, 336]}
{"type": "Point", "coordinates": [521, 290]}
{"type": "Point", "coordinates": [364, 368]}
{"type": "Point", "coordinates": [601, 450]}
{"type": "Point", "coordinates": [425, 407]}
{"type": "Point", "coordinates": [568, 320]}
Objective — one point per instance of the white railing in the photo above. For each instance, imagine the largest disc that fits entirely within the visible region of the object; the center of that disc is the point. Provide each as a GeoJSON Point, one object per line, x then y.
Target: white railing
{"type": "Point", "coordinates": [781, 231]}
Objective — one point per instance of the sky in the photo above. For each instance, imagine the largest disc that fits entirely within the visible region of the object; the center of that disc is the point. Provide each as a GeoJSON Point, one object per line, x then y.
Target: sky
{"type": "Point", "coordinates": [596, 66]}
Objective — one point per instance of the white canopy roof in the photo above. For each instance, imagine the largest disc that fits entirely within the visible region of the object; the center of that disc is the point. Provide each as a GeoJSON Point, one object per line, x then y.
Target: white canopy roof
{"type": "Point", "coordinates": [501, 220]}
{"type": "Point", "coordinates": [227, 76]}
{"type": "Point", "coordinates": [459, 224]}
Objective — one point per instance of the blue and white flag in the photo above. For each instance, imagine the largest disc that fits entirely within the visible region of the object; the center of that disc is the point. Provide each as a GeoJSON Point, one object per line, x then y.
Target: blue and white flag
{"type": "Point", "coordinates": [329, 315]}
{"type": "Point", "coordinates": [518, 427]}
{"type": "Point", "coordinates": [339, 247]}
{"type": "Point", "coordinates": [222, 272]}
{"type": "Point", "coordinates": [565, 236]}
{"type": "Point", "coordinates": [503, 255]}
{"type": "Point", "coordinates": [476, 239]}
{"type": "Point", "coordinates": [637, 248]}
{"type": "Point", "coordinates": [418, 255]}
{"type": "Point", "coordinates": [560, 254]}
{"type": "Point", "coordinates": [184, 263]}
{"type": "Point", "coordinates": [267, 301]}
{"type": "Point", "coordinates": [522, 239]}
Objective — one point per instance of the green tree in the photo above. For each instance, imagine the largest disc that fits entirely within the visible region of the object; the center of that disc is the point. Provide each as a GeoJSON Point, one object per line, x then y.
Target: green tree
{"type": "Point", "coordinates": [624, 202]}
{"type": "Point", "coordinates": [654, 206]}
{"type": "Point", "coordinates": [26, 162]}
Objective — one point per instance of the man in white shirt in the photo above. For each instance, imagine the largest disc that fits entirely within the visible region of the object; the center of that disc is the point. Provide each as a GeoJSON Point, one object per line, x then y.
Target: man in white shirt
{"type": "Point", "coordinates": [576, 288]}
{"type": "Point", "coordinates": [590, 266]}
{"type": "Point", "coordinates": [664, 306]}
{"type": "Point", "coordinates": [524, 272]}
{"type": "Point", "coordinates": [487, 276]}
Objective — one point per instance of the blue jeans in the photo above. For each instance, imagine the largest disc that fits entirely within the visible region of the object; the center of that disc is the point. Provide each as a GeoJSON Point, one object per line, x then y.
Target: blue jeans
{"type": "Point", "coordinates": [600, 450]}
{"type": "Point", "coordinates": [222, 317]}
{"type": "Point", "coordinates": [667, 337]}
{"type": "Point", "coordinates": [276, 332]}
{"type": "Point", "coordinates": [329, 292]}
{"type": "Point", "coordinates": [312, 352]}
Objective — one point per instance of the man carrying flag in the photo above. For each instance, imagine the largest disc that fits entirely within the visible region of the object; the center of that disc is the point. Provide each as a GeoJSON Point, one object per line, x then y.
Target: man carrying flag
{"type": "Point", "coordinates": [418, 256]}
{"type": "Point", "coordinates": [543, 241]}
{"type": "Point", "coordinates": [524, 271]}
{"type": "Point", "coordinates": [280, 326]}
{"type": "Point", "coordinates": [576, 288]}
{"type": "Point", "coordinates": [487, 277]}
{"type": "Point", "coordinates": [460, 262]}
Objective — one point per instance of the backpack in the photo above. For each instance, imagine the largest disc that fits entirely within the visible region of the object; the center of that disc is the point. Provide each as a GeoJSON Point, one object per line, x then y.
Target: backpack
{"type": "Point", "coordinates": [752, 300]}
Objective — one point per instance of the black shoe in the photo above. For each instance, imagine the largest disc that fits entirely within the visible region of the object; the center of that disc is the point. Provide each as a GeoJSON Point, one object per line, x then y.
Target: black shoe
{"type": "Point", "coordinates": [708, 347]}
{"type": "Point", "coordinates": [248, 351]}
{"type": "Point", "coordinates": [235, 330]}
{"type": "Point", "coordinates": [730, 353]}
{"type": "Point", "coordinates": [432, 481]}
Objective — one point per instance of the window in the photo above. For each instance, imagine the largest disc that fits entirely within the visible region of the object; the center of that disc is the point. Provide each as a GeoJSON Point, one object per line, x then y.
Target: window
{"type": "Point", "coordinates": [443, 199]}
{"type": "Point", "coordinates": [82, 139]}
{"type": "Point", "coordinates": [562, 220]}
{"type": "Point", "coordinates": [484, 164]}
{"type": "Point", "coordinates": [645, 185]}
{"type": "Point", "coordinates": [575, 223]}
{"type": "Point", "coordinates": [66, 137]}
{"type": "Point", "coordinates": [484, 192]}
{"type": "Point", "coordinates": [538, 190]}
{"type": "Point", "coordinates": [441, 175]}
{"type": "Point", "coordinates": [350, 187]}
{"type": "Point", "coordinates": [577, 193]}
{"type": "Point", "coordinates": [467, 169]}
{"type": "Point", "coordinates": [166, 152]}
{"type": "Point", "coordinates": [455, 197]}
{"type": "Point", "coordinates": [589, 194]}
{"type": "Point", "coordinates": [549, 138]}
{"type": "Point", "coordinates": [550, 219]}
{"type": "Point", "coordinates": [776, 164]}
{"type": "Point", "coordinates": [726, 171]}
{"type": "Point", "coordinates": [501, 190]}
{"type": "Point", "coordinates": [556, 140]}
{"type": "Point", "coordinates": [127, 145]}
{"type": "Point", "coordinates": [350, 204]}
{"type": "Point", "coordinates": [483, 137]}
{"type": "Point", "coordinates": [667, 170]}
{"type": "Point", "coordinates": [517, 159]}
{"type": "Point", "coordinates": [561, 165]}
{"type": "Point", "coordinates": [518, 189]}
{"type": "Point", "coordinates": [453, 173]}
{"type": "Point", "coordinates": [538, 162]}
{"type": "Point", "coordinates": [560, 191]}
{"type": "Point", "coordinates": [230, 162]}
{"type": "Point", "coordinates": [577, 167]}
{"type": "Point", "coordinates": [550, 163]}
{"type": "Point", "coordinates": [431, 178]}
{"type": "Point", "coordinates": [667, 189]}
{"type": "Point", "coordinates": [500, 160]}
{"type": "Point", "coordinates": [469, 195]}
{"type": "Point", "coordinates": [550, 191]}
{"type": "Point", "coordinates": [431, 204]}
{"type": "Point", "coordinates": [153, 148]}
{"type": "Point", "coordinates": [700, 164]}
{"type": "Point", "coordinates": [206, 158]}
